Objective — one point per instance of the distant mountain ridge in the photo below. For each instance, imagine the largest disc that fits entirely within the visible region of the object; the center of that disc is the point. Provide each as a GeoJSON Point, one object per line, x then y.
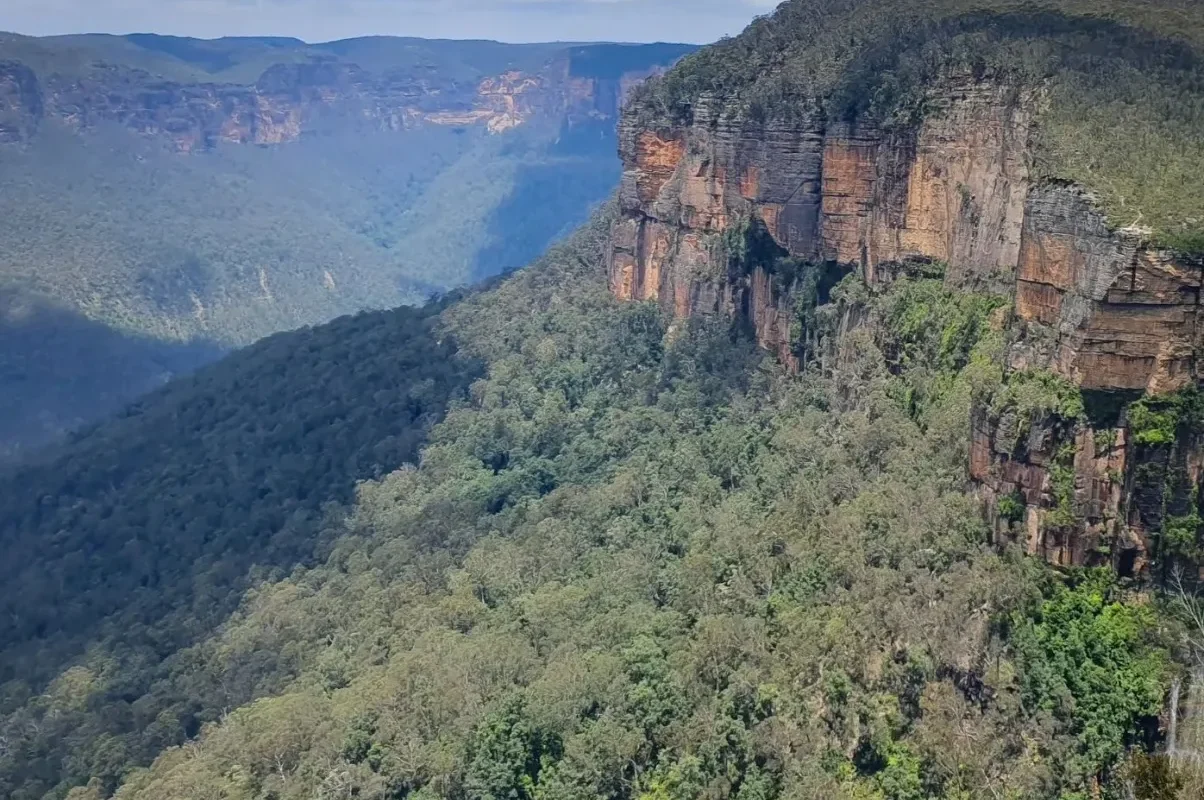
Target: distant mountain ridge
{"type": "Point", "coordinates": [197, 93]}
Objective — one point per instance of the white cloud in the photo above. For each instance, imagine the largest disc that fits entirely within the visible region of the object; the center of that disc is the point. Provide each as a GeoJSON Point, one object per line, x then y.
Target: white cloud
{"type": "Point", "coordinates": [508, 20]}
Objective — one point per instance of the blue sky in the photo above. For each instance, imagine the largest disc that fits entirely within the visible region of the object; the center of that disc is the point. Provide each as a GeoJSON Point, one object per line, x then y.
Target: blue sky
{"type": "Point", "coordinates": [320, 20]}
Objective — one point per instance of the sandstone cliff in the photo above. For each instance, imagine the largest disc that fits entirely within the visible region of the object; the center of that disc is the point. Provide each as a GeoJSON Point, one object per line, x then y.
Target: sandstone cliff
{"type": "Point", "coordinates": [1096, 307]}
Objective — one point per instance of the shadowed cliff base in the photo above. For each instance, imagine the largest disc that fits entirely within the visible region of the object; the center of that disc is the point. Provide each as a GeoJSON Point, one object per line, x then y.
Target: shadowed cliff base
{"type": "Point", "coordinates": [60, 371]}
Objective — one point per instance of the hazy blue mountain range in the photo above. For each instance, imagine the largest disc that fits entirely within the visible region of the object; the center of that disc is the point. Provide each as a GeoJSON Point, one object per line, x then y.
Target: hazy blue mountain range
{"type": "Point", "coordinates": [167, 198]}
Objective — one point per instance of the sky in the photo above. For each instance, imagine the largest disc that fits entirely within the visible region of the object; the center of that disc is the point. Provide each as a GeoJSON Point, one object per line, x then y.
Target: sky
{"type": "Point", "coordinates": [322, 20]}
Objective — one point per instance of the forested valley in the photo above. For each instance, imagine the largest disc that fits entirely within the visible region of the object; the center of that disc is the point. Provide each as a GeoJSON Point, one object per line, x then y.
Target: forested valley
{"type": "Point", "coordinates": [169, 200]}
{"type": "Point", "coordinates": [631, 562]}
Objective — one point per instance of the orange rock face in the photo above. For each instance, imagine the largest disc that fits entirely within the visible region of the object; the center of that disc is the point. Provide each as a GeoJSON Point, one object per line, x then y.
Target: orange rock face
{"type": "Point", "coordinates": [1096, 306]}
{"type": "Point", "coordinates": [1123, 316]}
{"type": "Point", "coordinates": [957, 190]}
{"type": "Point", "coordinates": [656, 159]}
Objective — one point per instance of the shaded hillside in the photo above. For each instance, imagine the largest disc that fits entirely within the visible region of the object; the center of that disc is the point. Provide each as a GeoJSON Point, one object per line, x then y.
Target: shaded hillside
{"type": "Point", "coordinates": [43, 395]}
{"type": "Point", "coordinates": [137, 537]}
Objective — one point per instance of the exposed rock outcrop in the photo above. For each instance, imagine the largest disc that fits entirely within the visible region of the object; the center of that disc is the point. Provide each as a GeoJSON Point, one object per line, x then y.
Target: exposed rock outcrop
{"type": "Point", "coordinates": [1096, 307]}
{"type": "Point", "coordinates": [1119, 314]}
{"type": "Point", "coordinates": [20, 102]}
{"type": "Point", "coordinates": [952, 190]}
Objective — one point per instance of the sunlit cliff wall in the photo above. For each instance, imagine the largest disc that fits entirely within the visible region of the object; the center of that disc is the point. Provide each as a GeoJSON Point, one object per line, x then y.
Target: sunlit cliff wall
{"type": "Point", "coordinates": [1095, 306]}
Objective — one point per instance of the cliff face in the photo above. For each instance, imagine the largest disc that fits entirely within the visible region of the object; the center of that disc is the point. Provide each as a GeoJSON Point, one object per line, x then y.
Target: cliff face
{"type": "Point", "coordinates": [1095, 307]}
{"type": "Point", "coordinates": [953, 191]}
{"type": "Point", "coordinates": [291, 100]}
{"type": "Point", "coordinates": [20, 102]}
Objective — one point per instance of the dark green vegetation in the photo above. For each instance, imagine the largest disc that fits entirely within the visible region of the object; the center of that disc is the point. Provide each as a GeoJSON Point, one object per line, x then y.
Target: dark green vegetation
{"type": "Point", "coordinates": [1121, 82]}
{"type": "Point", "coordinates": [205, 252]}
{"type": "Point", "coordinates": [630, 565]}
{"type": "Point", "coordinates": [138, 538]}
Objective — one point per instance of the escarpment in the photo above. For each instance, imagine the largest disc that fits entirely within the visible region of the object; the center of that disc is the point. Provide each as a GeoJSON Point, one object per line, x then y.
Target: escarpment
{"type": "Point", "coordinates": [20, 102]}
{"type": "Point", "coordinates": [737, 215]}
{"type": "Point", "coordinates": [291, 100]}
{"type": "Point", "coordinates": [848, 192]}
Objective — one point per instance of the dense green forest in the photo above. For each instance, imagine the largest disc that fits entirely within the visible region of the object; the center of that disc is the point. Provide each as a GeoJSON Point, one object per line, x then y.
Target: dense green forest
{"type": "Point", "coordinates": [234, 245]}
{"type": "Point", "coordinates": [137, 538]}
{"type": "Point", "coordinates": [631, 563]}
{"type": "Point", "coordinates": [231, 246]}
{"type": "Point", "coordinates": [1121, 82]}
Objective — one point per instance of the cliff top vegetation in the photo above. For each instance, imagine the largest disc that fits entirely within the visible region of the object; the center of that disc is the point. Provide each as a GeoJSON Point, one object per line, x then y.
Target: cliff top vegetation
{"type": "Point", "coordinates": [1120, 85]}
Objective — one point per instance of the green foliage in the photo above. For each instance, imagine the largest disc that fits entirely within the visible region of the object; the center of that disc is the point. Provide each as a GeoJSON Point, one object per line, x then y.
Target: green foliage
{"type": "Point", "coordinates": [226, 478]}
{"type": "Point", "coordinates": [1181, 536]}
{"type": "Point", "coordinates": [239, 243]}
{"type": "Point", "coordinates": [1091, 659]}
{"type": "Point", "coordinates": [1062, 480]}
{"type": "Point", "coordinates": [1038, 393]}
{"type": "Point", "coordinates": [1011, 507]}
{"type": "Point", "coordinates": [680, 780]}
{"type": "Point", "coordinates": [1150, 427]}
{"type": "Point", "coordinates": [927, 324]}
{"type": "Point", "coordinates": [627, 564]}
{"type": "Point", "coordinates": [929, 334]}
{"type": "Point", "coordinates": [1156, 420]}
{"type": "Point", "coordinates": [901, 778]}
{"type": "Point", "coordinates": [505, 756]}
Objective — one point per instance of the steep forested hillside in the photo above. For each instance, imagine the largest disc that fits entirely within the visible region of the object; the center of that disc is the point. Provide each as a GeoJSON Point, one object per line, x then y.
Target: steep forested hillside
{"type": "Point", "coordinates": [634, 563]}
{"type": "Point", "coordinates": [137, 538]}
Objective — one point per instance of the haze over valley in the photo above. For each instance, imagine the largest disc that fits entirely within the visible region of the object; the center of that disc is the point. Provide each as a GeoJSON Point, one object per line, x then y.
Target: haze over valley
{"type": "Point", "coordinates": [169, 199]}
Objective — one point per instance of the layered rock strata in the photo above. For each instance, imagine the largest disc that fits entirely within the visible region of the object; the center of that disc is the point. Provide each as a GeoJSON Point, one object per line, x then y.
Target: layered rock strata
{"type": "Point", "coordinates": [292, 100]}
{"type": "Point", "coordinates": [1096, 307]}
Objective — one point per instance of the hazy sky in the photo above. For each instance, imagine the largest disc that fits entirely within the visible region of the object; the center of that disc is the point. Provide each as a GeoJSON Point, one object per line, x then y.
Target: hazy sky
{"type": "Point", "coordinates": [321, 20]}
